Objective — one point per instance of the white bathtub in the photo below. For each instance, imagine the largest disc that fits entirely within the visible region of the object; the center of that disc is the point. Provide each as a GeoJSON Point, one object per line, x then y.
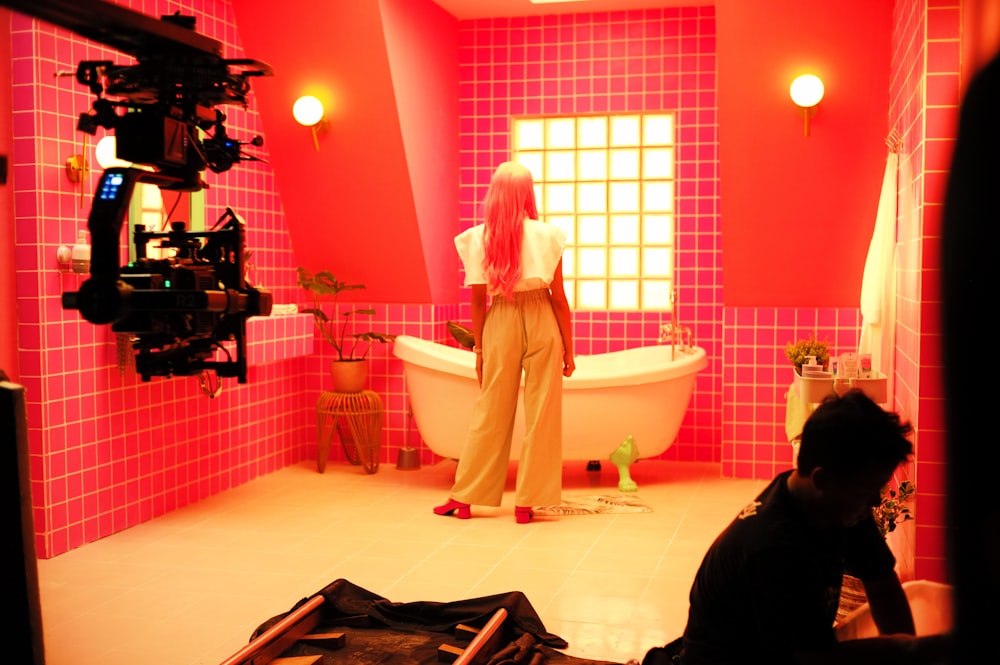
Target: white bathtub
{"type": "Point", "coordinates": [930, 602]}
{"type": "Point", "coordinates": [639, 392]}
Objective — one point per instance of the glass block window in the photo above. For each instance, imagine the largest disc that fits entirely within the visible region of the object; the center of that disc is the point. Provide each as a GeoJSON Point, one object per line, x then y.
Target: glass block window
{"type": "Point", "coordinates": [608, 181]}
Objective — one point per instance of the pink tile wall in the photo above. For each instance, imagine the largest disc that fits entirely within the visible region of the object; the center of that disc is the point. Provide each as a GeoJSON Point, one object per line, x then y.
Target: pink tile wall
{"type": "Point", "coordinates": [628, 61]}
{"type": "Point", "coordinates": [924, 105]}
{"type": "Point", "coordinates": [107, 450]}
{"type": "Point", "coordinates": [758, 377]}
{"type": "Point", "coordinates": [277, 338]}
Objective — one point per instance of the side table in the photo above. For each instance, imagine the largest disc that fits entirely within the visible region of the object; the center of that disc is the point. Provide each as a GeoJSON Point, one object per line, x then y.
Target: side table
{"type": "Point", "coordinates": [357, 417]}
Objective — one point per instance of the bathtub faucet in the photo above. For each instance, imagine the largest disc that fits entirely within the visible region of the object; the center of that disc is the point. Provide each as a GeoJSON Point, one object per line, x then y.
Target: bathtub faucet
{"type": "Point", "coordinates": [679, 337]}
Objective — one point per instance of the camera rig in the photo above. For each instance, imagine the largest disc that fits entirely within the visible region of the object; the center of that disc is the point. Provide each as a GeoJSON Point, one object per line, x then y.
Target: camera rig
{"type": "Point", "coordinates": [180, 310]}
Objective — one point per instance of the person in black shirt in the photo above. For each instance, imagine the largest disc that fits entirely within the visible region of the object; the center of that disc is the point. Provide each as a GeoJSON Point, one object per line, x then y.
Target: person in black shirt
{"type": "Point", "coordinates": [768, 588]}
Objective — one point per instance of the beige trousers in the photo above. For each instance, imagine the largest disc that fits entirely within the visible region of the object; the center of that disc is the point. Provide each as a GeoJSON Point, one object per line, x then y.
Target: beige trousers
{"type": "Point", "coordinates": [520, 333]}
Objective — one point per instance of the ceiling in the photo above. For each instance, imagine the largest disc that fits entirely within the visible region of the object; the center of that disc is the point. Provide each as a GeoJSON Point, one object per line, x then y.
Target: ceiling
{"type": "Point", "coordinates": [472, 9]}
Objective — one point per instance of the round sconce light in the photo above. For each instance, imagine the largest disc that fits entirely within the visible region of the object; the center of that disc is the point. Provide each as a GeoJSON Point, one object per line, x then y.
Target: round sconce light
{"type": "Point", "coordinates": [308, 112]}
{"type": "Point", "coordinates": [807, 91]}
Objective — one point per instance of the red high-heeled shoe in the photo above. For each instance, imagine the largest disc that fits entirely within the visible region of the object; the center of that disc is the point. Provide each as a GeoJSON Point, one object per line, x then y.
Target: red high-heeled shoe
{"type": "Point", "coordinates": [523, 514]}
{"type": "Point", "coordinates": [460, 509]}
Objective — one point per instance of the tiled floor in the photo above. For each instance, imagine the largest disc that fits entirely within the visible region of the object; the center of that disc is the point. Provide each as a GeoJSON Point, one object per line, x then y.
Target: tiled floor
{"type": "Point", "coordinates": [190, 587]}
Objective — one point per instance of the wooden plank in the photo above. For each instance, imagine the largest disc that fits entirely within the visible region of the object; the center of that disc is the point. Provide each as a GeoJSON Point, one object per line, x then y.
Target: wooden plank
{"type": "Point", "coordinates": [328, 640]}
{"type": "Point", "coordinates": [297, 660]}
{"type": "Point", "coordinates": [448, 653]}
{"type": "Point", "coordinates": [465, 633]}
{"type": "Point", "coordinates": [484, 642]}
{"type": "Point", "coordinates": [278, 638]}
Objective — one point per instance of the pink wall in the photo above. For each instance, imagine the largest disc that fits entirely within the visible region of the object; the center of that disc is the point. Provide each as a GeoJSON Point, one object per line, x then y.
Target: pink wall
{"type": "Point", "coordinates": [798, 211]}
{"type": "Point", "coordinates": [8, 324]}
{"type": "Point", "coordinates": [387, 163]}
{"type": "Point", "coordinates": [107, 450]}
{"type": "Point", "coordinates": [924, 107]}
{"type": "Point", "coordinates": [757, 376]}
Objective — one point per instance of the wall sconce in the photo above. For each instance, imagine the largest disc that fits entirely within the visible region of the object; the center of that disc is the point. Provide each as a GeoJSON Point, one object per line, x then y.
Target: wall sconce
{"type": "Point", "coordinates": [77, 168]}
{"type": "Point", "coordinates": [806, 91]}
{"type": "Point", "coordinates": [308, 112]}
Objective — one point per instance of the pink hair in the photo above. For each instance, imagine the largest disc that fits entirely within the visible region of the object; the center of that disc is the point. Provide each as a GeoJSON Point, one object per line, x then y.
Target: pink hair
{"type": "Point", "coordinates": [510, 198]}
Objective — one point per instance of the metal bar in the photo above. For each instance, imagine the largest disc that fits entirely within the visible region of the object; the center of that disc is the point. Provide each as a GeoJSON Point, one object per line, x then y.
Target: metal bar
{"type": "Point", "coordinates": [275, 640]}
{"type": "Point", "coordinates": [119, 27]}
{"type": "Point", "coordinates": [483, 639]}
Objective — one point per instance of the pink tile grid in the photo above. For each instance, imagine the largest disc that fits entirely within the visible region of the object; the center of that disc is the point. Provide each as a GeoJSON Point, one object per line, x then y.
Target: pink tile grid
{"type": "Point", "coordinates": [276, 338]}
{"type": "Point", "coordinates": [132, 450]}
{"type": "Point", "coordinates": [757, 375]}
{"type": "Point", "coordinates": [928, 130]}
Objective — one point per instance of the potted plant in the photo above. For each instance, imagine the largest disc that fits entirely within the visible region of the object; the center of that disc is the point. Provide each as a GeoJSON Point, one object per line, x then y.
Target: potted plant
{"type": "Point", "coordinates": [797, 352]}
{"type": "Point", "coordinates": [351, 348]}
{"type": "Point", "coordinates": [890, 512]}
{"type": "Point", "coordinates": [892, 509]}
{"type": "Point", "coordinates": [812, 388]}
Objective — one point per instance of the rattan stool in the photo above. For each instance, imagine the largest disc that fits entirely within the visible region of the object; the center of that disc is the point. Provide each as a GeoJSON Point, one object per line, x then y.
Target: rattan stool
{"type": "Point", "coordinates": [357, 417]}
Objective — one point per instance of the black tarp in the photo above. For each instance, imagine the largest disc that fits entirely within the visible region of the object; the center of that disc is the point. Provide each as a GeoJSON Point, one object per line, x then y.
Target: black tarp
{"type": "Point", "coordinates": [382, 631]}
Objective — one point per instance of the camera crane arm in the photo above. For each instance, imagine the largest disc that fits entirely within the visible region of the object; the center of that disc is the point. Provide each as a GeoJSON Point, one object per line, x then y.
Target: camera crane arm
{"type": "Point", "coordinates": [118, 27]}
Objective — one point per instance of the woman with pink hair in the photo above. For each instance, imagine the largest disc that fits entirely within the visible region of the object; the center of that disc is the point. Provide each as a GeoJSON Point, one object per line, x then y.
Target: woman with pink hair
{"type": "Point", "coordinates": [515, 261]}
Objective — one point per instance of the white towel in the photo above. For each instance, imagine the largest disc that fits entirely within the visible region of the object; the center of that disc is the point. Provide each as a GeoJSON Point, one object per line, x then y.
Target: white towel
{"type": "Point", "coordinates": [878, 285]}
{"type": "Point", "coordinates": [796, 414]}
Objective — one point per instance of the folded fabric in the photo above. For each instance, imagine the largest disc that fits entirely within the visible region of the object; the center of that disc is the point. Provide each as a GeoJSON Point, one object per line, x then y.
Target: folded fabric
{"type": "Point", "coordinates": [343, 600]}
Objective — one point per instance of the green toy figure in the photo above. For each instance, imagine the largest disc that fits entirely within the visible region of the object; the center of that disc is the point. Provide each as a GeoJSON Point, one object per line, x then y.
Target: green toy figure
{"type": "Point", "coordinates": [623, 457]}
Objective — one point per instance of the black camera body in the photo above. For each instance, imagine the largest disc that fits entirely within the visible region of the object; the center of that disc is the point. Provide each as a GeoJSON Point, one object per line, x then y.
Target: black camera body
{"type": "Point", "coordinates": [179, 311]}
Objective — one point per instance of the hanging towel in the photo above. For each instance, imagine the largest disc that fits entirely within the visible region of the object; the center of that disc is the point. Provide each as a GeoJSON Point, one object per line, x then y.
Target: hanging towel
{"type": "Point", "coordinates": [796, 414]}
{"type": "Point", "coordinates": [878, 285]}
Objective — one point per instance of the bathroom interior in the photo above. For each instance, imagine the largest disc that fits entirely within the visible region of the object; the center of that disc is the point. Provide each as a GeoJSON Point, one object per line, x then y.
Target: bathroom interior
{"type": "Point", "coordinates": [171, 519]}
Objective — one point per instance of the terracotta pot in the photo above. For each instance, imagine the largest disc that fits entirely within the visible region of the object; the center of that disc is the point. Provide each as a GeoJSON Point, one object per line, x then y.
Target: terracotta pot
{"type": "Point", "coordinates": [349, 376]}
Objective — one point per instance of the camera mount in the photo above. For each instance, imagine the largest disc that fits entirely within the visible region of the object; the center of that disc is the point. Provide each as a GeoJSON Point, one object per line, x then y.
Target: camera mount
{"type": "Point", "coordinates": [181, 310]}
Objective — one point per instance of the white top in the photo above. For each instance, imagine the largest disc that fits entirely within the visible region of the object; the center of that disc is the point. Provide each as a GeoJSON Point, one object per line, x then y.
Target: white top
{"type": "Point", "coordinates": [541, 248]}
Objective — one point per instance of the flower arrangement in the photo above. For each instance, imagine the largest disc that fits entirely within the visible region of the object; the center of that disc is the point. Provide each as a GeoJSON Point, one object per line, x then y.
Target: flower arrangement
{"type": "Point", "coordinates": [797, 352]}
{"type": "Point", "coordinates": [892, 509]}
{"type": "Point", "coordinates": [325, 284]}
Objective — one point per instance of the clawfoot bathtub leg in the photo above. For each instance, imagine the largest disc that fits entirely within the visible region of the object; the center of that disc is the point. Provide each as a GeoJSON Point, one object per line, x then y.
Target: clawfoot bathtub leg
{"type": "Point", "coordinates": [623, 457]}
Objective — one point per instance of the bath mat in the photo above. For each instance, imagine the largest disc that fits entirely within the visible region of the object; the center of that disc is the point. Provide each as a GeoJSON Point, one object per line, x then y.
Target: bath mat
{"type": "Point", "coordinates": [596, 505]}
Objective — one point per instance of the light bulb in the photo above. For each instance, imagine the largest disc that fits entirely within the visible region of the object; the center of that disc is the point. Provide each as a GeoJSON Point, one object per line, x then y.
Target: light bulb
{"type": "Point", "coordinates": [806, 90]}
{"type": "Point", "coordinates": [307, 110]}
